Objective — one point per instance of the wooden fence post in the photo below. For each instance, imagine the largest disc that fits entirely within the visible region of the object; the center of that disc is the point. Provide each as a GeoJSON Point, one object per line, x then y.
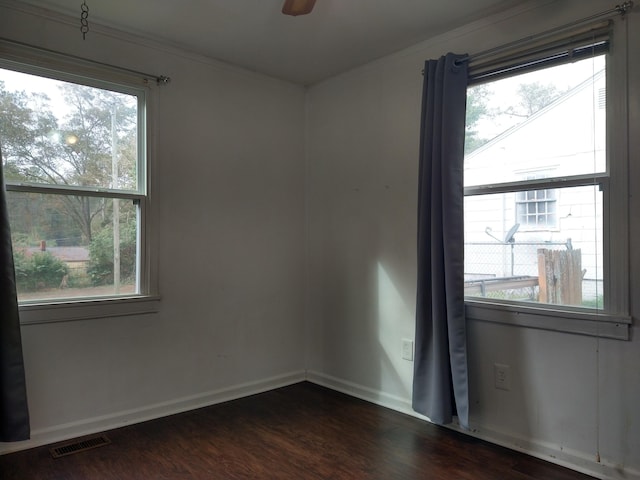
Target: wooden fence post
{"type": "Point", "coordinates": [560, 276]}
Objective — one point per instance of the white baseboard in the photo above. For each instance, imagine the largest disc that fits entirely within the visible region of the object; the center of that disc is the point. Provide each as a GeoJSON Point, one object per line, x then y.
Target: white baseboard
{"type": "Point", "coordinates": [58, 433]}
{"type": "Point", "coordinates": [574, 460]}
{"type": "Point", "coordinates": [383, 399]}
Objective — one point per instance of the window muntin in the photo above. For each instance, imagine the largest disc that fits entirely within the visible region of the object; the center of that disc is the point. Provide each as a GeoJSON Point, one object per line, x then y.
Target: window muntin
{"type": "Point", "coordinates": [546, 120]}
{"type": "Point", "coordinates": [74, 163]}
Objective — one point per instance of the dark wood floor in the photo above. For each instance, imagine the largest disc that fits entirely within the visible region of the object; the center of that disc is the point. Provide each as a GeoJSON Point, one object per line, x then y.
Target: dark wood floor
{"type": "Point", "coordinates": [299, 432]}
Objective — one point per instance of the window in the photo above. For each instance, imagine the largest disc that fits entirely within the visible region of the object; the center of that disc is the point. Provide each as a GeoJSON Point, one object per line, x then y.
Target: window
{"type": "Point", "coordinates": [536, 209]}
{"type": "Point", "coordinates": [542, 242]}
{"type": "Point", "coordinates": [74, 153]}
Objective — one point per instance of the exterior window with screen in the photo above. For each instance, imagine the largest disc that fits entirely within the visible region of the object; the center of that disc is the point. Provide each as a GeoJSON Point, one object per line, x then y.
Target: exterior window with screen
{"type": "Point", "coordinates": [73, 153]}
{"type": "Point", "coordinates": [537, 238]}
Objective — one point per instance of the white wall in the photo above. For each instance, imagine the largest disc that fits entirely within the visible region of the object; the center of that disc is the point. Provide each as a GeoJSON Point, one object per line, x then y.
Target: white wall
{"type": "Point", "coordinates": [229, 197]}
{"type": "Point", "coordinates": [572, 397]}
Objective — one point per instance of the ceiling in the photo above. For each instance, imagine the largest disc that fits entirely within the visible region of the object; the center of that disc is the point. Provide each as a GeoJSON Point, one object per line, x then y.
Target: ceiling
{"type": "Point", "coordinates": [337, 36]}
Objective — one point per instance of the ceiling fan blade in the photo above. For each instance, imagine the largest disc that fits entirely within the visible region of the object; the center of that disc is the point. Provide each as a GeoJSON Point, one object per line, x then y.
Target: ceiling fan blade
{"type": "Point", "coordinates": [298, 7]}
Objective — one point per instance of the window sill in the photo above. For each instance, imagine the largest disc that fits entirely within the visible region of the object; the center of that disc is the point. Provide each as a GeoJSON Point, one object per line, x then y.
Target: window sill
{"type": "Point", "coordinates": [86, 309]}
{"type": "Point", "coordinates": [601, 325]}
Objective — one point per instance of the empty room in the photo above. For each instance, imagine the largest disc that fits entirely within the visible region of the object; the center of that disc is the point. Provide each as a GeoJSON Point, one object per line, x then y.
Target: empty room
{"type": "Point", "coordinates": [320, 239]}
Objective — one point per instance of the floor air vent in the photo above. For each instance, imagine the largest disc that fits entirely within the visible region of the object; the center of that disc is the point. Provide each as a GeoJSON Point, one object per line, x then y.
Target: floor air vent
{"type": "Point", "coordinates": [79, 445]}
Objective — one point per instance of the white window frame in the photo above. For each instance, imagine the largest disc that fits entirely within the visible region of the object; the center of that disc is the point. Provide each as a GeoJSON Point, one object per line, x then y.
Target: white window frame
{"type": "Point", "coordinates": [614, 321]}
{"type": "Point", "coordinates": [48, 64]}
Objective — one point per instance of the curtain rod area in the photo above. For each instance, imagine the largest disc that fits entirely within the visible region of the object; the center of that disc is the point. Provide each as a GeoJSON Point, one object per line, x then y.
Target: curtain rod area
{"type": "Point", "coordinates": [621, 10]}
{"type": "Point", "coordinates": [159, 79]}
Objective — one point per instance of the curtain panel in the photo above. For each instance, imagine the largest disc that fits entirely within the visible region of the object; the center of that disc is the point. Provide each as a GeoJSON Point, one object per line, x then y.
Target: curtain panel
{"type": "Point", "coordinates": [440, 380]}
{"type": "Point", "coordinates": [14, 414]}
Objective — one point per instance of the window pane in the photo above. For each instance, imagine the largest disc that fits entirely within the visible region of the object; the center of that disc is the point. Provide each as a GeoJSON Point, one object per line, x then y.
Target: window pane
{"type": "Point", "coordinates": [62, 133]}
{"type": "Point", "coordinates": [547, 120]}
{"type": "Point", "coordinates": [505, 260]}
{"type": "Point", "coordinates": [63, 246]}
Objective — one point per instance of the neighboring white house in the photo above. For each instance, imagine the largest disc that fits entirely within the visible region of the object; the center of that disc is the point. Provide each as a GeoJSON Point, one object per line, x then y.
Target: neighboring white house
{"type": "Point", "coordinates": [504, 231]}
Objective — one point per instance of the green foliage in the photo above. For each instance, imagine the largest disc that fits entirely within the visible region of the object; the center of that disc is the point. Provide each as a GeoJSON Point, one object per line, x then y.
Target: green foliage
{"type": "Point", "coordinates": [597, 302]}
{"type": "Point", "coordinates": [535, 96]}
{"type": "Point", "coordinates": [78, 280]}
{"type": "Point", "coordinates": [36, 149]}
{"type": "Point", "coordinates": [100, 267]}
{"type": "Point", "coordinates": [532, 97]}
{"type": "Point", "coordinates": [22, 269]}
{"type": "Point", "coordinates": [39, 271]}
{"type": "Point", "coordinates": [477, 108]}
{"type": "Point", "coordinates": [20, 239]}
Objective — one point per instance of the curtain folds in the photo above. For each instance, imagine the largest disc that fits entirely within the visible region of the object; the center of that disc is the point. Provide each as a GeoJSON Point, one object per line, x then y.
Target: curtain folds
{"type": "Point", "coordinates": [440, 381]}
{"type": "Point", "coordinates": [14, 414]}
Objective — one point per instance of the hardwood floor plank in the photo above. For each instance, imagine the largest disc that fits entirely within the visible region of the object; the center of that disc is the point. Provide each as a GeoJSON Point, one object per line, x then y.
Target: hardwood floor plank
{"type": "Point", "coordinates": [298, 432]}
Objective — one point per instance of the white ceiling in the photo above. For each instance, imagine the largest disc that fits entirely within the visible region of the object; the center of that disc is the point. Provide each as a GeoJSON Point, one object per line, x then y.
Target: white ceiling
{"type": "Point", "coordinates": [337, 36]}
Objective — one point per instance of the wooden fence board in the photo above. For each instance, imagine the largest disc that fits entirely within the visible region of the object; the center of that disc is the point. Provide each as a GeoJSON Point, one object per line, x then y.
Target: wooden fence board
{"type": "Point", "coordinates": [560, 276]}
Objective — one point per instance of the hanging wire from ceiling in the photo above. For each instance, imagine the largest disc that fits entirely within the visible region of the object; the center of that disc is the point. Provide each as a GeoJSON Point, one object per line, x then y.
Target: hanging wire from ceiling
{"type": "Point", "coordinates": [84, 19]}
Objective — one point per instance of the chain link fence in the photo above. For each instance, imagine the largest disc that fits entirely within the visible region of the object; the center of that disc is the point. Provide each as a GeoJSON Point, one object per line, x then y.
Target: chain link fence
{"type": "Point", "coordinates": [501, 270]}
{"type": "Point", "coordinates": [509, 271]}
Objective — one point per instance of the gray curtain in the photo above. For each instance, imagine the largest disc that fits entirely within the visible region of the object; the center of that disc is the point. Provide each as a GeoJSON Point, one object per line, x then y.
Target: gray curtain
{"type": "Point", "coordinates": [440, 385]}
{"type": "Point", "coordinates": [14, 414]}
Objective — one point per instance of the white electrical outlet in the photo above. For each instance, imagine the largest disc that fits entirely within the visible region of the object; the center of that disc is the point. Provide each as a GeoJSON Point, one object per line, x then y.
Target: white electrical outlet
{"type": "Point", "coordinates": [502, 376]}
{"type": "Point", "coordinates": [407, 349]}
